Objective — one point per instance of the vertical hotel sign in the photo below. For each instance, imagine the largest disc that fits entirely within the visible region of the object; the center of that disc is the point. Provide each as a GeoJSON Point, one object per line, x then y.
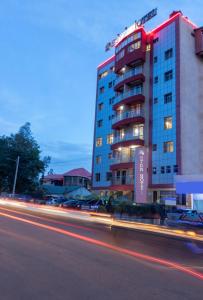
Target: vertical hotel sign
{"type": "Point", "coordinates": [141, 176]}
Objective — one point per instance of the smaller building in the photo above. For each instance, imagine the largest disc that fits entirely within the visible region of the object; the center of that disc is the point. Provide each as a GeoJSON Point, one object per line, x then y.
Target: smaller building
{"type": "Point", "coordinates": [77, 177]}
{"type": "Point", "coordinates": [66, 191]}
{"type": "Point", "coordinates": [54, 179]}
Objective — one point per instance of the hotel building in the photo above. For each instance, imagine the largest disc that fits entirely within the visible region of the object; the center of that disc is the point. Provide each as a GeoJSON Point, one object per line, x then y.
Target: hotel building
{"type": "Point", "coordinates": [150, 97]}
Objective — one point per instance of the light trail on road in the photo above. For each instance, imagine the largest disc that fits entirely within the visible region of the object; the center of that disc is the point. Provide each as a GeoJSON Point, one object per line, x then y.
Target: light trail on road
{"type": "Point", "coordinates": [137, 255]}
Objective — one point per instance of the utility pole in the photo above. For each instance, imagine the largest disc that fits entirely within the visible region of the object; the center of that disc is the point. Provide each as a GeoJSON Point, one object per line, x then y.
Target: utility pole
{"type": "Point", "coordinates": [16, 174]}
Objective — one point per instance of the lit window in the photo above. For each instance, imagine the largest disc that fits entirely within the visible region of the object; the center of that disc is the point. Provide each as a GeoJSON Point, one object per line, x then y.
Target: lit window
{"type": "Point", "coordinates": [98, 159]}
{"type": "Point", "coordinates": [168, 146]}
{"type": "Point", "coordinates": [100, 106]}
{"type": "Point", "coordinates": [97, 177]}
{"type": "Point", "coordinates": [104, 74]}
{"type": "Point", "coordinates": [168, 75]}
{"type": "Point", "coordinates": [134, 46]}
{"type": "Point", "coordinates": [99, 142]}
{"type": "Point", "coordinates": [168, 53]}
{"type": "Point", "coordinates": [148, 48]}
{"type": "Point", "coordinates": [122, 133]}
{"type": "Point", "coordinates": [99, 123]}
{"type": "Point", "coordinates": [168, 169]}
{"type": "Point", "coordinates": [112, 69]}
{"type": "Point", "coordinates": [101, 90]}
{"type": "Point", "coordinates": [110, 138]}
{"type": "Point", "coordinates": [168, 123]}
{"type": "Point", "coordinates": [168, 98]}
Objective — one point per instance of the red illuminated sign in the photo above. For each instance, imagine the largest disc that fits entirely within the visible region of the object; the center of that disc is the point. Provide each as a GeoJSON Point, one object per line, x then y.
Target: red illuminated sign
{"type": "Point", "coordinates": [141, 176]}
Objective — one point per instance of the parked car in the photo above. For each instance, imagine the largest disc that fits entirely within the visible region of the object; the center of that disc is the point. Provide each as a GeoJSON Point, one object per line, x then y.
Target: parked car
{"type": "Point", "coordinates": [93, 205]}
{"type": "Point", "coordinates": [69, 203]}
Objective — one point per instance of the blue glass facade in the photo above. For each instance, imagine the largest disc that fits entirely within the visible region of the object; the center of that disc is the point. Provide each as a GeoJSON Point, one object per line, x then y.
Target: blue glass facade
{"type": "Point", "coordinates": [103, 125]}
{"type": "Point", "coordinates": [164, 83]}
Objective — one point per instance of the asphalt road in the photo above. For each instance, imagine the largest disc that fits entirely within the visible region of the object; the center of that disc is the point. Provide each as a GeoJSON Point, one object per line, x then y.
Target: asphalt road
{"type": "Point", "coordinates": [43, 257]}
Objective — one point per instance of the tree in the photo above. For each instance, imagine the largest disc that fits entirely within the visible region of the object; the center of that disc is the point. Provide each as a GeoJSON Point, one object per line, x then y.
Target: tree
{"type": "Point", "coordinates": [31, 165]}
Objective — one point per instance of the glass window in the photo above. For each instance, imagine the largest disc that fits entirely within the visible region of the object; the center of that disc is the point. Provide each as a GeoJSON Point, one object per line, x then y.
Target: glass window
{"type": "Point", "coordinates": [168, 146]}
{"type": "Point", "coordinates": [168, 98]}
{"type": "Point", "coordinates": [156, 79]}
{"type": "Point", "coordinates": [110, 155]}
{"type": "Point", "coordinates": [168, 75]}
{"type": "Point", "coordinates": [155, 59]}
{"type": "Point", "coordinates": [154, 170]}
{"type": "Point", "coordinates": [168, 124]}
{"type": "Point", "coordinates": [100, 106]}
{"type": "Point", "coordinates": [110, 84]}
{"type": "Point", "coordinates": [154, 147]}
{"type": "Point", "coordinates": [155, 100]}
{"type": "Point", "coordinates": [108, 176]}
{"type": "Point", "coordinates": [99, 142]}
{"type": "Point", "coordinates": [97, 177]}
{"type": "Point", "coordinates": [104, 74]}
{"type": "Point", "coordinates": [101, 90]}
{"type": "Point", "coordinates": [162, 169]}
{"type": "Point", "coordinates": [98, 159]}
{"type": "Point", "coordinates": [156, 40]}
{"type": "Point", "coordinates": [134, 46]}
{"type": "Point", "coordinates": [175, 168]}
{"type": "Point", "coordinates": [148, 47]}
{"type": "Point", "coordinates": [99, 123]}
{"type": "Point", "coordinates": [168, 169]}
{"type": "Point", "coordinates": [110, 138]}
{"type": "Point", "coordinates": [168, 53]}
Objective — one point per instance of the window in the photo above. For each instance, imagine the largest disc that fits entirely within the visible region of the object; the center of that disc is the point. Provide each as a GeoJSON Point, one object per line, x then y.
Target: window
{"type": "Point", "coordinates": [97, 177]}
{"type": "Point", "coordinates": [99, 142]}
{"type": "Point", "coordinates": [110, 84]}
{"type": "Point", "coordinates": [168, 53]}
{"type": "Point", "coordinates": [111, 100]}
{"type": "Point", "coordinates": [168, 75]}
{"type": "Point", "coordinates": [98, 159]}
{"type": "Point", "coordinates": [168, 146]}
{"type": "Point", "coordinates": [175, 168]}
{"type": "Point", "coordinates": [99, 123]}
{"type": "Point", "coordinates": [168, 98]}
{"type": "Point", "coordinates": [154, 170]}
{"type": "Point", "coordinates": [148, 47]}
{"type": "Point", "coordinates": [155, 100]}
{"type": "Point", "coordinates": [108, 176]}
{"type": "Point", "coordinates": [134, 46]}
{"type": "Point", "coordinates": [154, 147]}
{"type": "Point", "coordinates": [112, 69]}
{"type": "Point", "coordinates": [100, 106]}
{"type": "Point", "coordinates": [104, 74]}
{"type": "Point", "coordinates": [156, 40]}
{"type": "Point", "coordinates": [155, 59]}
{"type": "Point", "coordinates": [110, 155]}
{"type": "Point", "coordinates": [168, 169]}
{"type": "Point", "coordinates": [101, 90]}
{"type": "Point", "coordinates": [168, 123]}
{"type": "Point", "coordinates": [162, 169]}
{"type": "Point", "coordinates": [120, 55]}
{"type": "Point", "coordinates": [156, 79]}
{"type": "Point", "coordinates": [110, 138]}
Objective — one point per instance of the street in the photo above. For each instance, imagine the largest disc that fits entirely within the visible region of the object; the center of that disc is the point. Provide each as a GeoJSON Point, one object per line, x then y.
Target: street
{"type": "Point", "coordinates": [61, 259]}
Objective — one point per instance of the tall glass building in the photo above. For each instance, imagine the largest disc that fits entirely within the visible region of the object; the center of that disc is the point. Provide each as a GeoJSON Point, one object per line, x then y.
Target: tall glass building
{"type": "Point", "coordinates": [149, 112]}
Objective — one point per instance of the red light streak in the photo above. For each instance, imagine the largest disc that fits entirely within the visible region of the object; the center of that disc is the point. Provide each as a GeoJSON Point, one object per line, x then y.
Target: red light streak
{"type": "Point", "coordinates": [164, 23]}
{"type": "Point", "coordinates": [104, 63]}
{"type": "Point", "coordinates": [51, 220]}
{"type": "Point", "coordinates": [135, 254]}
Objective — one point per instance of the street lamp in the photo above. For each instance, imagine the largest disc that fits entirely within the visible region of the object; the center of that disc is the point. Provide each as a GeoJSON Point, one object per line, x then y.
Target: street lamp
{"type": "Point", "coordinates": [15, 178]}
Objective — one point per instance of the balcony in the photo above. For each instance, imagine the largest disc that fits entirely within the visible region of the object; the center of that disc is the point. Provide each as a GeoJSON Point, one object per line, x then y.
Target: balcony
{"type": "Point", "coordinates": [131, 75]}
{"type": "Point", "coordinates": [128, 139]}
{"type": "Point", "coordinates": [122, 162]}
{"type": "Point", "coordinates": [128, 116]}
{"type": "Point", "coordinates": [134, 95]}
{"type": "Point", "coordinates": [122, 180]}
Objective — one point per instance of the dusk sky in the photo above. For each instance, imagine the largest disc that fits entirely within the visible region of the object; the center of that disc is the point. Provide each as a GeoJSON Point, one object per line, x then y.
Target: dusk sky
{"type": "Point", "coordinates": [49, 53]}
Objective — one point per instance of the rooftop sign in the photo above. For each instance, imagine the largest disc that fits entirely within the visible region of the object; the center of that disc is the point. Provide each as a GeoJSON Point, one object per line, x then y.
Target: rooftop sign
{"type": "Point", "coordinates": [131, 29]}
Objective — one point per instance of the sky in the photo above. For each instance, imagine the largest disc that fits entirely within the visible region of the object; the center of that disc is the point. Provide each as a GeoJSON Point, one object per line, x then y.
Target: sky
{"type": "Point", "coordinates": [49, 52]}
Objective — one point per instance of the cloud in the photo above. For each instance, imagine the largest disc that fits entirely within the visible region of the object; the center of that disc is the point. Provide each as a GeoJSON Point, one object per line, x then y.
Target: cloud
{"type": "Point", "coordinates": [65, 156]}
